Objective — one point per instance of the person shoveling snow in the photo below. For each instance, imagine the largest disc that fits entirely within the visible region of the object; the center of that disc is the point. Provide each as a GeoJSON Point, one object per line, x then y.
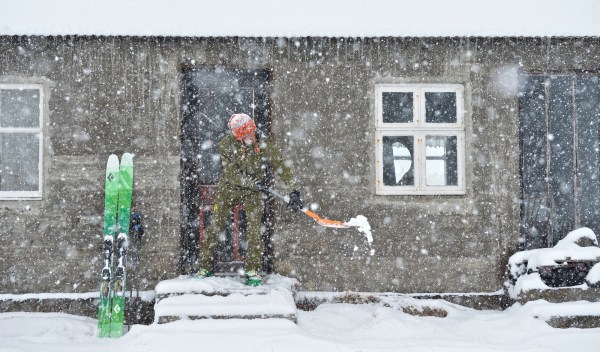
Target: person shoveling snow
{"type": "Point", "coordinates": [242, 181]}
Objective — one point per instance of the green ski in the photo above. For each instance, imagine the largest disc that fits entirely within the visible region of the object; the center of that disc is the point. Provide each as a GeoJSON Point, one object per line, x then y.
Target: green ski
{"type": "Point", "coordinates": [111, 191]}
{"type": "Point", "coordinates": [125, 190]}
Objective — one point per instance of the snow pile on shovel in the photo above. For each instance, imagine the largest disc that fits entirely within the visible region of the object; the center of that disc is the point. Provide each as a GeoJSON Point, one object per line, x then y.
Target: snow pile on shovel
{"type": "Point", "coordinates": [362, 224]}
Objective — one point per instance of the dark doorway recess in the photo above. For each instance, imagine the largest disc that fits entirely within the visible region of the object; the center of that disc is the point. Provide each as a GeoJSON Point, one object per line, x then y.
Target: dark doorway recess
{"type": "Point", "coordinates": [210, 95]}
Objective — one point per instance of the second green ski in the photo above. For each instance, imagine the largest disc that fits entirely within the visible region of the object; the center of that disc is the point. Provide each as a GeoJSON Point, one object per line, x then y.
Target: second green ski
{"type": "Point", "coordinates": [125, 191]}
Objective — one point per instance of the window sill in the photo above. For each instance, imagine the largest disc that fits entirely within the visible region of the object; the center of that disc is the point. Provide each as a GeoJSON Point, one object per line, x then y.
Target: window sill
{"type": "Point", "coordinates": [421, 193]}
{"type": "Point", "coordinates": [16, 199]}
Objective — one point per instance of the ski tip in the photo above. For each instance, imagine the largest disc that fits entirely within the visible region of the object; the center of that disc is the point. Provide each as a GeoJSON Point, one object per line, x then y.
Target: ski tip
{"type": "Point", "coordinates": [128, 157]}
{"type": "Point", "coordinates": [113, 160]}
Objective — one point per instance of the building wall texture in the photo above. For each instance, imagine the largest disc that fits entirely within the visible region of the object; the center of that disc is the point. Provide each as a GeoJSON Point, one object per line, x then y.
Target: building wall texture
{"type": "Point", "coordinates": [115, 94]}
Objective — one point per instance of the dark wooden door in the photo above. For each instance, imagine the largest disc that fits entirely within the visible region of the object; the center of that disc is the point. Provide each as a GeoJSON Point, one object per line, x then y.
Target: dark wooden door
{"type": "Point", "coordinates": [210, 97]}
{"type": "Point", "coordinates": [559, 120]}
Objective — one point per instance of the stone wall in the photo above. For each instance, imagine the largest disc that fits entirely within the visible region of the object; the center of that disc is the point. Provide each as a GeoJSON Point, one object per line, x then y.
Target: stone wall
{"type": "Point", "coordinates": [115, 94]}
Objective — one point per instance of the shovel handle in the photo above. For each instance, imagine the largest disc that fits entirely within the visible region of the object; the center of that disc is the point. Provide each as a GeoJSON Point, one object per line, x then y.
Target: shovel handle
{"type": "Point", "coordinates": [278, 195]}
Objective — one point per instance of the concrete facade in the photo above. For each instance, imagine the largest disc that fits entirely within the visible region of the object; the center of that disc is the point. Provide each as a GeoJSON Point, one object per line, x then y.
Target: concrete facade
{"type": "Point", "coordinates": [114, 94]}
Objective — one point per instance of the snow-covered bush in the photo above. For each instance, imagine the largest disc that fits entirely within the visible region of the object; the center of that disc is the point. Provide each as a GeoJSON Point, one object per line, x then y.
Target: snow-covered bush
{"type": "Point", "coordinates": [568, 263]}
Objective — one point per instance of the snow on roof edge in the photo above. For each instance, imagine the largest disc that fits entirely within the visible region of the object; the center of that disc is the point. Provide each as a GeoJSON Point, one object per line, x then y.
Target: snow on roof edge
{"type": "Point", "coordinates": [306, 18]}
{"type": "Point", "coordinates": [290, 37]}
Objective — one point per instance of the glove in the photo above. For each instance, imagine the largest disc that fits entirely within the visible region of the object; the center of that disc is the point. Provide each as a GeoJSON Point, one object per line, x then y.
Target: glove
{"type": "Point", "coordinates": [295, 202]}
{"type": "Point", "coordinates": [260, 186]}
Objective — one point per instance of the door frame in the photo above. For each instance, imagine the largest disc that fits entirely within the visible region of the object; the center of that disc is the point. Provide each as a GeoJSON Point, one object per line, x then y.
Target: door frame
{"type": "Point", "coordinates": [191, 204]}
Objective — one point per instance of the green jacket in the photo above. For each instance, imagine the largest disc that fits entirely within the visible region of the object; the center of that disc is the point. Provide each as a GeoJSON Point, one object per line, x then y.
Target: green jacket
{"type": "Point", "coordinates": [243, 173]}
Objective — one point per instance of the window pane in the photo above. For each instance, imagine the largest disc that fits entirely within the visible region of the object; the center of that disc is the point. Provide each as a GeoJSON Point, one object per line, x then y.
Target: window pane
{"type": "Point", "coordinates": [441, 161]}
{"type": "Point", "coordinates": [19, 108]}
{"type": "Point", "coordinates": [19, 161]}
{"type": "Point", "coordinates": [440, 107]}
{"type": "Point", "coordinates": [398, 161]}
{"type": "Point", "coordinates": [397, 107]}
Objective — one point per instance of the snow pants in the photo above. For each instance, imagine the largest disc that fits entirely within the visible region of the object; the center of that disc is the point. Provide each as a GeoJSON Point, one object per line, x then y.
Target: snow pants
{"type": "Point", "coordinates": [228, 196]}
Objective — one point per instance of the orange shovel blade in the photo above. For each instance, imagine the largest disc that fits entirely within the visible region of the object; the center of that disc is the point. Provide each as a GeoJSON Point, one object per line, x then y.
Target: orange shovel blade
{"type": "Point", "coordinates": [325, 222]}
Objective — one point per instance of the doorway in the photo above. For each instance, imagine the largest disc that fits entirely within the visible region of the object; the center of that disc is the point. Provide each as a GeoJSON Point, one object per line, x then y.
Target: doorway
{"type": "Point", "coordinates": [210, 95]}
{"type": "Point", "coordinates": [559, 117]}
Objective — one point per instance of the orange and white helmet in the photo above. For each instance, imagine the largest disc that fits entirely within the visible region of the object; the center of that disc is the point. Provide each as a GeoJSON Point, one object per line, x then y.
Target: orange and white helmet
{"type": "Point", "coordinates": [241, 125]}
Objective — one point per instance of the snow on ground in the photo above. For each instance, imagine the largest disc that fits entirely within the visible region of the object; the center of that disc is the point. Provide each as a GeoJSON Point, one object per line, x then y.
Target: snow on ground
{"type": "Point", "coordinates": [331, 327]}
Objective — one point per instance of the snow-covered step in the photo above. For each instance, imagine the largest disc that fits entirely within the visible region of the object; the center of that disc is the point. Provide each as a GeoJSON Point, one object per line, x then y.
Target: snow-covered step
{"type": "Point", "coordinates": [224, 298]}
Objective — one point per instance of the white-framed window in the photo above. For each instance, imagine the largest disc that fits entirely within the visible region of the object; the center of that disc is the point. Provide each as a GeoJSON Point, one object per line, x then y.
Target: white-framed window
{"type": "Point", "coordinates": [21, 141]}
{"type": "Point", "coordinates": [420, 139]}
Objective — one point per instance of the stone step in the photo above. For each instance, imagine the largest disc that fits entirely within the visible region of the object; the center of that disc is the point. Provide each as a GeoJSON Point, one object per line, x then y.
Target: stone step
{"type": "Point", "coordinates": [224, 298]}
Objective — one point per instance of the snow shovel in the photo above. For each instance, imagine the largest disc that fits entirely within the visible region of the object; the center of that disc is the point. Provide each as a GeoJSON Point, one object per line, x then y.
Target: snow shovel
{"type": "Point", "coordinates": [321, 221]}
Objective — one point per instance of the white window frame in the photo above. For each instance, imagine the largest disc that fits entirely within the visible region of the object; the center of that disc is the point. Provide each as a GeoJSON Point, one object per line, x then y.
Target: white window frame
{"type": "Point", "coordinates": [39, 130]}
{"type": "Point", "coordinates": [419, 129]}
